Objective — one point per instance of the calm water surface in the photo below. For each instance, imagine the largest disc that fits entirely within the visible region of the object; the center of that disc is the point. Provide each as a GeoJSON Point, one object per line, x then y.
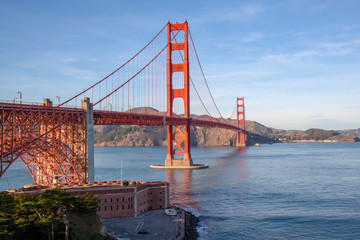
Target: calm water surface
{"type": "Point", "coordinates": [279, 191]}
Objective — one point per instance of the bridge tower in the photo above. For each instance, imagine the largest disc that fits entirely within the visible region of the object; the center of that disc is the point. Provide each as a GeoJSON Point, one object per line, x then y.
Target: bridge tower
{"type": "Point", "coordinates": [240, 122]}
{"type": "Point", "coordinates": [178, 136]}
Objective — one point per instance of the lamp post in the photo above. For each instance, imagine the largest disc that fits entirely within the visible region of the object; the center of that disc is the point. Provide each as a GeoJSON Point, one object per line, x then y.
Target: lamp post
{"type": "Point", "coordinates": [20, 96]}
{"type": "Point", "coordinates": [58, 100]}
{"type": "Point", "coordinates": [15, 99]}
{"type": "Point", "coordinates": [110, 108]}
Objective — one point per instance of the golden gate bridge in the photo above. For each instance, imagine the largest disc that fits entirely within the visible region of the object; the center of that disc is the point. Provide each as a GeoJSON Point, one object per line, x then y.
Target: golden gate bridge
{"type": "Point", "coordinates": [153, 88]}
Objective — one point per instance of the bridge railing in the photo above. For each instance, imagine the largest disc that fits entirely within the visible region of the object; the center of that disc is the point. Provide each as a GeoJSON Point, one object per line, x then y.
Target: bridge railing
{"type": "Point", "coordinates": [17, 101]}
{"type": "Point", "coordinates": [26, 104]}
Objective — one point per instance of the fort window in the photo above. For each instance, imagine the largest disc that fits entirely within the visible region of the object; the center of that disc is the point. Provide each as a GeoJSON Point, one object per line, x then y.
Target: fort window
{"type": "Point", "coordinates": [123, 207]}
{"type": "Point", "coordinates": [105, 199]}
{"type": "Point", "coordinates": [110, 207]}
{"type": "Point", "coordinates": [110, 199]}
{"type": "Point", "coordinates": [99, 200]}
{"type": "Point", "coordinates": [105, 208]}
{"type": "Point", "coordinates": [117, 207]}
{"type": "Point", "coordinates": [99, 208]}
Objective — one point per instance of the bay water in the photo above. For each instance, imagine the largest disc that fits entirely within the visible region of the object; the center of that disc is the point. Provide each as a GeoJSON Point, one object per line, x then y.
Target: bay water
{"type": "Point", "coordinates": [278, 191]}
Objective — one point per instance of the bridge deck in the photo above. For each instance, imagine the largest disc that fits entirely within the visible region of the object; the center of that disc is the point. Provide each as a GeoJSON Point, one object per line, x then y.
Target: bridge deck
{"type": "Point", "coordinates": [122, 118]}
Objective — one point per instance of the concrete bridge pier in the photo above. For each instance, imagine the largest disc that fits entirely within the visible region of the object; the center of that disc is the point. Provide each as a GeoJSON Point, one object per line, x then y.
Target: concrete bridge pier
{"type": "Point", "coordinates": [89, 146]}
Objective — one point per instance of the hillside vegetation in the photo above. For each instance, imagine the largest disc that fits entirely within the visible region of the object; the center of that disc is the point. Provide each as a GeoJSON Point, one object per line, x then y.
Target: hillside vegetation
{"type": "Point", "coordinates": [204, 137]}
{"type": "Point", "coordinates": [201, 136]}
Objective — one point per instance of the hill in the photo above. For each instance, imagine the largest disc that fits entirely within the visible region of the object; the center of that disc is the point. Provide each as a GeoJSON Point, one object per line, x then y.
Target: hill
{"type": "Point", "coordinates": [350, 132]}
{"type": "Point", "coordinates": [203, 136]}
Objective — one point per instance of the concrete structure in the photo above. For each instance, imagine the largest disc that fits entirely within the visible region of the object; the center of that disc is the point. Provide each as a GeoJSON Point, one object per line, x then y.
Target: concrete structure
{"type": "Point", "coordinates": [193, 166]}
{"type": "Point", "coordinates": [89, 136]}
{"type": "Point", "coordinates": [116, 198]}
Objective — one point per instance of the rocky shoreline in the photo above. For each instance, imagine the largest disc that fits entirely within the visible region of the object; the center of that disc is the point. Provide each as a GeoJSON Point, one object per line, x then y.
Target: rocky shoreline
{"type": "Point", "coordinates": [191, 224]}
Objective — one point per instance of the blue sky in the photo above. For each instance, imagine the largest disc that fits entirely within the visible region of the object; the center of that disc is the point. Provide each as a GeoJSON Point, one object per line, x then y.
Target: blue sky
{"type": "Point", "coordinates": [297, 63]}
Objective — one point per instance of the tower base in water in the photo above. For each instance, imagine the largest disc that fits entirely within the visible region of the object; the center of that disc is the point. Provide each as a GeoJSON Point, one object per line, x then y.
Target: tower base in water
{"type": "Point", "coordinates": [194, 166]}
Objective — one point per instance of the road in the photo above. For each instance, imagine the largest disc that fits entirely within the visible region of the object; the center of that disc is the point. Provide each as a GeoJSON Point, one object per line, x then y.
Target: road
{"type": "Point", "coordinates": [156, 222]}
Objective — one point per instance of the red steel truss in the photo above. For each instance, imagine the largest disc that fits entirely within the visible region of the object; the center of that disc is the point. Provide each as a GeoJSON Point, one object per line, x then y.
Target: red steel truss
{"type": "Point", "coordinates": [240, 122]}
{"type": "Point", "coordinates": [50, 141]}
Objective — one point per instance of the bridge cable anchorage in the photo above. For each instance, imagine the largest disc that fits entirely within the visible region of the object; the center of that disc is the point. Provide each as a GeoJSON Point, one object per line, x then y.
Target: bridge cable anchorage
{"type": "Point", "coordinates": [197, 57]}
{"type": "Point", "coordinates": [115, 70]}
{"type": "Point", "coordinates": [197, 93]}
{"type": "Point", "coordinates": [138, 71]}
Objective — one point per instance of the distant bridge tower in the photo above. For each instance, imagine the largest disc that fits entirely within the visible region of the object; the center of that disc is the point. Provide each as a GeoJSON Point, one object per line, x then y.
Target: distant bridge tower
{"type": "Point", "coordinates": [178, 136]}
{"type": "Point", "coordinates": [240, 122]}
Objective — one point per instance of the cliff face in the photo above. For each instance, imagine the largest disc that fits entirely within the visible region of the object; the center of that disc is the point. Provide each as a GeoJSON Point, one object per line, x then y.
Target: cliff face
{"type": "Point", "coordinates": [132, 136]}
{"type": "Point", "coordinates": [212, 137]}
{"type": "Point", "coordinates": [156, 135]}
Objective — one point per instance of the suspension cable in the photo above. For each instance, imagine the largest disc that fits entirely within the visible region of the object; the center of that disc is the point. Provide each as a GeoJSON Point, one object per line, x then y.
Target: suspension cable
{"type": "Point", "coordinates": [233, 110]}
{"type": "Point", "coordinates": [202, 72]}
{"type": "Point", "coordinates": [182, 58]}
{"type": "Point", "coordinates": [139, 70]}
{"type": "Point", "coordinates": [116, 69]}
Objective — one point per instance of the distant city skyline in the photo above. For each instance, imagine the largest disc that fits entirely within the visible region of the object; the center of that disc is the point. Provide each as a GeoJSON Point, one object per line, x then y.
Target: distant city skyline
{"type": "Point", "coordinates": [296, 63]}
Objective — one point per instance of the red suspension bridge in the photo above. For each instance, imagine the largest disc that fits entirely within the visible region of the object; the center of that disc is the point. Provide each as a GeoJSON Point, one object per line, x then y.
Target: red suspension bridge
{"type": "Point", "coordinates": [152, 88]}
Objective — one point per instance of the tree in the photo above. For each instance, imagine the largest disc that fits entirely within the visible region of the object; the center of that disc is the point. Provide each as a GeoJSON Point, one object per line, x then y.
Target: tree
{"type": "Point", "coordinates": [87, 202]}
{"type": "Point", "coordinates": [7, 224]}
{"type": "Point", "coordinates": [40, 216]}
{"type": "Point", "coordinates": [55, 203]}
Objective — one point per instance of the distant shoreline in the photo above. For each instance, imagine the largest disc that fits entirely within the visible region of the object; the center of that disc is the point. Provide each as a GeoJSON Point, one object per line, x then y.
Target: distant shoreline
{"type": "Point", "coordinates": [320, 141]}
{"type": "Point", "coordinates": [225, 146]}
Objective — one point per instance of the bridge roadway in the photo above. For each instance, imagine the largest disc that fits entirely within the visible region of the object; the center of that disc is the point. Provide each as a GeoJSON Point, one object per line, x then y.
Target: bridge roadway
{"type": "Point", "coordinates": [62, 132]}
{"type": "Point", "coordinates": [110, 117]}
{"type": "Point", "coordinates": [125, 118]}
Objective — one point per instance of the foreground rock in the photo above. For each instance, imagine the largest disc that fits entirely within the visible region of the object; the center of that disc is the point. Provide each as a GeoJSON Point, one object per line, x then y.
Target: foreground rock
{"type": "Point", "coordinates": [191, 223]}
